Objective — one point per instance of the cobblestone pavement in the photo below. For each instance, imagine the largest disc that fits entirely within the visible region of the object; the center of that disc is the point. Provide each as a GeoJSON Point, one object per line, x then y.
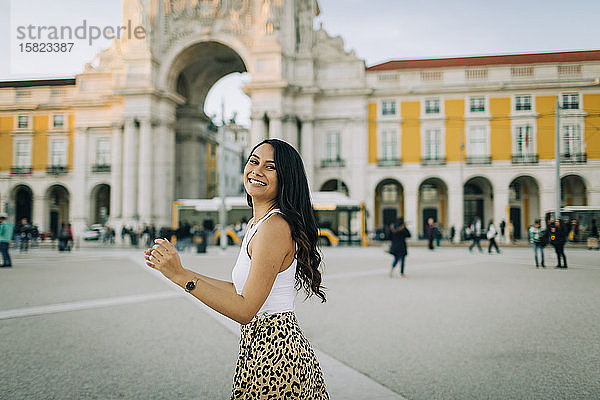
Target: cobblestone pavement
{"type": "Point", "coordinates": [96, 324]}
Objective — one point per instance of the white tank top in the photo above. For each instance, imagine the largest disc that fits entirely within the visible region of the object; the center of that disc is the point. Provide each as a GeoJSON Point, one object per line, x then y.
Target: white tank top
{"type": "Point", "coordinates": [283, 294]}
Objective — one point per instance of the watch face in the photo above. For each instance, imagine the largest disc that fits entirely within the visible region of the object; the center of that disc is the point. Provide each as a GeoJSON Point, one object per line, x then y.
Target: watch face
{"type": "Point", "coordinates": [190, 286]}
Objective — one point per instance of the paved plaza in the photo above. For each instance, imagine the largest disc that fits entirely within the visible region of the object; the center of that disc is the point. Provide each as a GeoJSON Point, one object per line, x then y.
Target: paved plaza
{"type": "Point", "coordinates": [97, 324]}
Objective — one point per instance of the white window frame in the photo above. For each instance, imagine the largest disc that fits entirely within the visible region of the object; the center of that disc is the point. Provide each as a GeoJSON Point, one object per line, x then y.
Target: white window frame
{"type": "Point", "coordinates": [532, 148]}
{"type": "Point", "coordinates": [58, 128]}
{"type": "Point", "coordinates": [383, 114]}
{"type": "Point", "coordinates": [439, 114]}
{"type": "Point", "coordinates": [51, 154]}
{"type": "Point", "coordinates": [425, 128]}
{"type": "Point", "coordinates": [486, 134]}
{"type": "Point", "coordinates": [29, 122]}
{"type": "Point", "coordinates": [516, 103]}
{"type": "Point", "coordinates": [97, 149]}
{"type": "Point", "coordinates": [335, 143]}
{"type": "Point", "coordinates": [27, 141]}
{"type": "Point", "coordinates": [478, 112]}
{"type": "Point", "coordinates": [571, 110]}
{"type": "Point", "coordinates": [563, 131]}
{"type": "Point", "coordinates": [388, 138]}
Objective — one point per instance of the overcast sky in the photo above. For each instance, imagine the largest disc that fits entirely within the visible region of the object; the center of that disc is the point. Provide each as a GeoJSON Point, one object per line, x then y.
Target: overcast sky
{"type": "Point", "coordinates": [378, 30]}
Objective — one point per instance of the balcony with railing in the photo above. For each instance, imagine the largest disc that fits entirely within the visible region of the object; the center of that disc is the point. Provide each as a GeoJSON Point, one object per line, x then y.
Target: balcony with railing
{"type": "Point", "coordinates": [100, 168]}
{"type": "Point", "coordinates": [20, 170]}
{"type": "Point", "coordinates": [389, 162]}
{"type": "Point", "coordinates": [428, 161]}
{"type": "Point", "coordinates": [573, 158]}
{"type": "Point", "coordinates": [525, 159]}
{"type": "Point", "coordinates": [478, 160]}
{"type": "Point", "coordinates": [339, 163]}
{"type": "Point", "coordinates": [56, 169]}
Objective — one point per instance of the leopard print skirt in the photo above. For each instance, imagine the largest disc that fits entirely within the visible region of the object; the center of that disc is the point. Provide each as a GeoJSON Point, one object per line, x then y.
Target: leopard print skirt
{"type": "Point", "coordinates": [276, 361]}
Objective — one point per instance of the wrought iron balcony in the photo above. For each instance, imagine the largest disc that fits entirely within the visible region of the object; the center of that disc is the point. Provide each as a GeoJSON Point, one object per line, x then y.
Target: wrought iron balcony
{"type": "Point", "coordinates": [56, 169]}
{"type": "Point", "coordinates": [20, 171]}
{"type": "Point", "coordinates": [573, 158]}
{"type": "Point", "coordinates": [99, 168]}
{"type": "Point", "coordinates": [525, 158]}
{"type": "Point", "coordinates": [333, 163]}
{"type": "Point", "coordinates": [471, 160]}
{"type": "Point", "coordinates": [433, 161]}
{"type": "Point", "coordinates": [389, 162]}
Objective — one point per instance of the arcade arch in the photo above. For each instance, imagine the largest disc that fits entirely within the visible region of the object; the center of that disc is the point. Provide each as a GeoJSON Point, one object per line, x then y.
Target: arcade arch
{"type": "Point", "coordinates": [100, 207]}
{"type": "Point", "coordinates": [389, 202]}
{"type": "Point", "coordinates": [432, 203]}
{"type": "Point", "coordinates": [335, 185]}
{"type": "Point", "coordinates": [22, 201]}
{"type": "Point", "coordinates": [57, 208]}
{"type": "Point", "coordinates": [573, 191]}
{"type": "Point", "coordinates": [524, 203]}
{"type": "Point", "coordinates": [478, 198]}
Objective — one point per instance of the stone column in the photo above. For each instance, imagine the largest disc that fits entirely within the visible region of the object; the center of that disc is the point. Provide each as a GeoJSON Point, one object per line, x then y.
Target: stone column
{"type": "Point", "coordinates": [455, 209]}
{"type": "Point", "coordinates": [130, 166]}
{"type": "Point", "coordinates": [290, 131]}
{"type": "Point", "coordinates": [410, 210]}
{"type": "Point", "coordinates": [145, 162]}
{"type": "Point", "coordinates": [164, 174]}
{"type": "Point", "coordinates": [308, 152]}
{"type": "Point", "coordinates": [500, 206]}
{"type": "Point", "coordinates": [116, 173]}
{"type": "Point", "coordinates": [257, 130]}
{"type": "Point", "coordinates": [275, 126]}
{"type": "Point", "coordinates": [39, 218]}
{"type": "Point", "coordinates": [80, 197]}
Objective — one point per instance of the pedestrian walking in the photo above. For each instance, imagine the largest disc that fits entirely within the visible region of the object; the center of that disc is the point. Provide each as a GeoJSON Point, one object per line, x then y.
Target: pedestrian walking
{"type": "Point", "coordinates": [398, 235]}
{"type": "Point", "coordinates": [511, 233]}
{"type": "Point", "coordinates": [439, 229]}
{"type": "Point", "coordinates": [452, 234]}
{"type": "Point", "coordinates": [476, 235]}
{"type": "Point", "coordinates": [537, 240]}
{"type": "Point", "coordinates": [279, 254]}
{"type": "Point", "coordinates": [557, 237]}
{"type": "Point", "coordinates": [491, 236]}
{"type": "Point", "coordinates": [430, 233]}
{"type": "Point", "coordinates": [7, 231]}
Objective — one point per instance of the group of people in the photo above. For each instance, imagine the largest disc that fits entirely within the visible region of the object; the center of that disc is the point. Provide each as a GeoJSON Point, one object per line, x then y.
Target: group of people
{"type": "Point", "coordinates": [556, 234]}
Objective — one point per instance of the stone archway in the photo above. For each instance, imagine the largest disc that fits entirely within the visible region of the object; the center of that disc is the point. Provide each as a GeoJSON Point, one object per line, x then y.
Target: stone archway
{"type": "Point", "coordinates": [478, 200]}
{"type": "Point", "coordinates": [57, 208]}
{"type": "Point", "coordinates": [22, 203]}
{"type": "Point", "coordinates": [432, 203]}
{"type": "Point", "coordinates": [573, 191]}
{"type": "Point", "coordinates": [100, 198]}
{"type": "Point", "coordinates": [389, 202]}
{"type": "Point", "coordinates": [335, 185]}
{"type": "Point", "coordinates": [524, 204]}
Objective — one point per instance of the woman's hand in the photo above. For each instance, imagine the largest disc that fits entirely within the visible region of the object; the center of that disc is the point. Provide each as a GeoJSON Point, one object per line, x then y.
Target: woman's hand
{"type": "Point", "coordinates": [164, 257]}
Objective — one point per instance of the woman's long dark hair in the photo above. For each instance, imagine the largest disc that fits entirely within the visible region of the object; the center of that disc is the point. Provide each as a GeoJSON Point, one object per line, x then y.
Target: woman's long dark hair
{"type": "Point", "coordinates": [293, 199]}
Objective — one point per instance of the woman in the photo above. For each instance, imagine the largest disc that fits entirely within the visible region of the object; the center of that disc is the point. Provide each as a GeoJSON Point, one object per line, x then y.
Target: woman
{"type": "Point", "coordinates": [398, 235]}
{"type": "Point", "coordinates": [279, 256]}
{"type": "Point", "coordinates": [557, 237]}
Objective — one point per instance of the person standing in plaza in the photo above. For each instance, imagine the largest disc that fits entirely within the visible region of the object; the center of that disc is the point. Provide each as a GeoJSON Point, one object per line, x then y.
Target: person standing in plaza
{"type": "Point", "coordinates": [536, 237]}
{"type": "Point", "coordinates": [430, 233]}
{"type": "Point", "coordinates": [592, 239]}
{"type": "Point", "coordinates": [557, 236]}
{"type": "Point", "coordinates": [398, 235]}
{"type": "Point", "coordinates": [476, 235]}
{"type": "Point", "coordinates": [278, 257]}
{"type": "Point", "coordinates": [502, 229]}
{"type": "Point", "coordinates": [7, 231]}
{"type": "Point", "coordinates": [491, 236]}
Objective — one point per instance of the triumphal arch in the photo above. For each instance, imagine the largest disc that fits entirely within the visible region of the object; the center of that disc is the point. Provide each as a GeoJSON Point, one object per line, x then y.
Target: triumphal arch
{"type": "Point", "coordinates": [149, 93]}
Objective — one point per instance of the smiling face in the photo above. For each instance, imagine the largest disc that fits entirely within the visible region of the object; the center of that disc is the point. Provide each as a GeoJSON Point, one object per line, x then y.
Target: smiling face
{"type": "Point", "coordinates": [260, 175]}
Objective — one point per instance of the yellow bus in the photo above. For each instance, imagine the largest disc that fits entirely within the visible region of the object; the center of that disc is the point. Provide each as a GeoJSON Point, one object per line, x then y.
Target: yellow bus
{"type": "Point", "coordinates": [341, 220]}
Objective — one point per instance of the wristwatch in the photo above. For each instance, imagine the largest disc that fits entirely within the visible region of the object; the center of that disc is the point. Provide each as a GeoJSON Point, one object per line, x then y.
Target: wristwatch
{"type": "Point", "coordinates": [191, 285]}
